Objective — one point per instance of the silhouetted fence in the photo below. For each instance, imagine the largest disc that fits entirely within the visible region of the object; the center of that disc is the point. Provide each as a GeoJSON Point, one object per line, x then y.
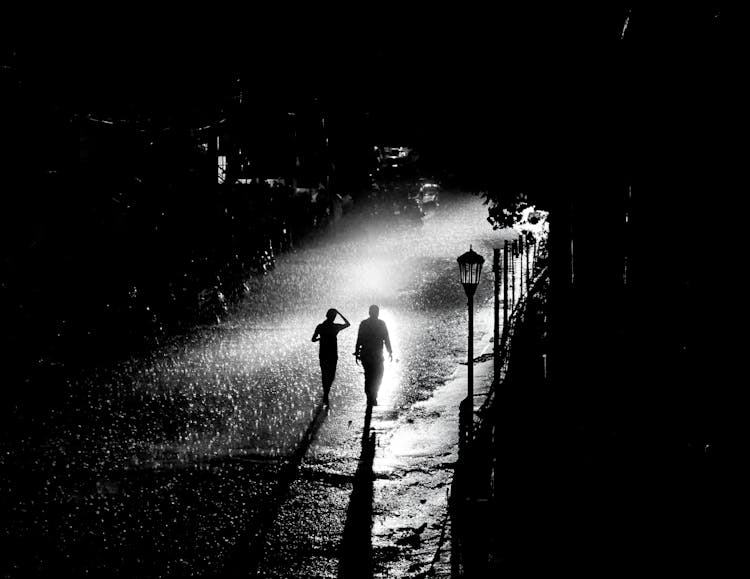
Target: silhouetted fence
{"type": "Point", "coordinates": [475, 492]}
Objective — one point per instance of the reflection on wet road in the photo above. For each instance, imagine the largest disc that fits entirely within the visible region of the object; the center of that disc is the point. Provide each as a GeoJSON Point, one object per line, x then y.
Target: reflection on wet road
{"type": "Point", "coordinates": [200, 457]}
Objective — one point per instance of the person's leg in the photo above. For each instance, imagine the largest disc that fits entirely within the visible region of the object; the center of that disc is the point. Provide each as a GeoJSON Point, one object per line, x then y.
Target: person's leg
{"type": "Point", "coordinates": [368, 368]}
{"type": "Point", "coordinates": [377, 377]}
{"type": "Point", "coordinates": [328, 373]}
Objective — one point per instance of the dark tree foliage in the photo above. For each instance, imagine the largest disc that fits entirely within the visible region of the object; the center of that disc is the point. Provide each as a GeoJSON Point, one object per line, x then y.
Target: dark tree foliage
{"type": "Point", "coordinates": [504, 208]}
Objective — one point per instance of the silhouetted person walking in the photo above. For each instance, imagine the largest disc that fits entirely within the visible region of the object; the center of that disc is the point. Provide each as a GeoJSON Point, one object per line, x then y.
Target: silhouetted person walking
{"type": "Point", "coordinates": [326, 333]}
{"type": "Point", "coordinates": [373, 334]}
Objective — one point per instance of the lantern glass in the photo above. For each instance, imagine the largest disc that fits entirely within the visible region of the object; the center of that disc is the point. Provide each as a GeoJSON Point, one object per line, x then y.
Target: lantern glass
{"type": "Point", "coordinates": [470, 268]}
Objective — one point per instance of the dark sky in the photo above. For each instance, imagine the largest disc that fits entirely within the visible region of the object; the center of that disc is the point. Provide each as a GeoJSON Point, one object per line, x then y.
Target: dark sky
{"type": "Point", "coordinates": [382, 58]}
{"type": "Point", "coordinates": [517, 74]}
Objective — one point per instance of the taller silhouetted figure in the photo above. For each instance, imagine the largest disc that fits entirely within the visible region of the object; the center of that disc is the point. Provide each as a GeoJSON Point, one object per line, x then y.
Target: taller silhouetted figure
{"type": "Point", "coordinates": [373, 334]}
{"type": "Point", "coordinates": [326, 333]}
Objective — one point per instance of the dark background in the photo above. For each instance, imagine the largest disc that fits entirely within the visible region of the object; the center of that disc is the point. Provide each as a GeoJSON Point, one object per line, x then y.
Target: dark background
{"type": "Point", "coordinates": [467, 79]}
{"type": "Point", "coordinates": [595, 114]}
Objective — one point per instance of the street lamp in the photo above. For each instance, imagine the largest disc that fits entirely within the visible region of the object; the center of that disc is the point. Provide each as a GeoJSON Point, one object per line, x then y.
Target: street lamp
{"type": "Point", "coordinates": [470, 267]}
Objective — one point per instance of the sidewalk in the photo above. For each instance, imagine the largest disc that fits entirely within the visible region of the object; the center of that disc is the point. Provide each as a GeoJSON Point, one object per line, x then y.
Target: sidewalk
{"type": "Point", "coordinates": [414, 477]}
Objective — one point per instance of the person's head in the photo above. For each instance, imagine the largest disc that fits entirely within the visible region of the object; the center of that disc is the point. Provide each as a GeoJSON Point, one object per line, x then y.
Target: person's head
{"type": "Point", "coordinates": [331, 315]}
{"type": "Point", "coordinates": [374, 312]}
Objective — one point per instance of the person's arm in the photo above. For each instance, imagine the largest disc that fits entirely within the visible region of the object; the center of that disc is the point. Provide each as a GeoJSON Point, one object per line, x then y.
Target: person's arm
{"type": "Point", "coordinates": [346, 322]}
{"type": "Point", "coordinates": [358, 345]}
{"type": "Point", "coordinates": [387, 340]}
{"type": "Point", "coordinates": [316, 335]}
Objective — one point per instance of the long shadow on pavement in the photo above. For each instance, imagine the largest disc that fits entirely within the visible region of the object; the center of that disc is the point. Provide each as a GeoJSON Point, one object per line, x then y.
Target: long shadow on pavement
{"type": "Point", "coordinates": [356, 546]}
{"type": "Point", "coordinates": [248, 555]}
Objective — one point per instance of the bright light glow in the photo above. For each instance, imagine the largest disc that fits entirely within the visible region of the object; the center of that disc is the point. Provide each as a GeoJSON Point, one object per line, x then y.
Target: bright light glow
{"type": "Point", "coordinates": [392, 374]}
{"type": "Point", "coordinates": [375, 278]}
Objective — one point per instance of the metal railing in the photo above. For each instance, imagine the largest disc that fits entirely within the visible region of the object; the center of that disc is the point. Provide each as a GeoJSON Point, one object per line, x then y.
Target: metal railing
{"type": "Point", "coordinates": [474, 491]}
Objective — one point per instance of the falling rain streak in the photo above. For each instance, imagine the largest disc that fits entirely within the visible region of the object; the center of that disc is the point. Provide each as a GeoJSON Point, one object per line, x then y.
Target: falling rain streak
{"type": "Point", "coordinates": [157, 466]}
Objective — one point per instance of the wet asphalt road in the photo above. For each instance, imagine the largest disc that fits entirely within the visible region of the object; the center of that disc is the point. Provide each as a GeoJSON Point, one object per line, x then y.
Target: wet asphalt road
{"type": "Point", "coordinates": [213, 456]}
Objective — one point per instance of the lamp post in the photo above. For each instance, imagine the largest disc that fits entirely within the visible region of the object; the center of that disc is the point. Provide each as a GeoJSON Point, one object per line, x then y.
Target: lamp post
{"type": "Point", "coordinates": [470, 267]}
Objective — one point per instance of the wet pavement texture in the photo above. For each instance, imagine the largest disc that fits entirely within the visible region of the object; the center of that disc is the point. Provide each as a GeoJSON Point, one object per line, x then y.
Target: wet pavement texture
{"type": "Point", "coordinates": [213, 454]}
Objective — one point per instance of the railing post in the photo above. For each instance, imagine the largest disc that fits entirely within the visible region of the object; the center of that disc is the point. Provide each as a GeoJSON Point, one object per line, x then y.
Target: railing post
{"type": "Point", "coordinates": [529, 277]}
{"type": "Point", "coordinates": [505, 287]}
{"type": "Point", "coordinates": [520, 266]}
{"type": "Point", "coordinates": [514, 250]}
{"type": "Point", "coordinates": [496, 350]}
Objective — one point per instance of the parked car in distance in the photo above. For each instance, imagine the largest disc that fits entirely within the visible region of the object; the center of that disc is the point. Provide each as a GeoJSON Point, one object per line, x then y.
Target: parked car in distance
{"type": "Point", "coordinates": [429, 192]}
